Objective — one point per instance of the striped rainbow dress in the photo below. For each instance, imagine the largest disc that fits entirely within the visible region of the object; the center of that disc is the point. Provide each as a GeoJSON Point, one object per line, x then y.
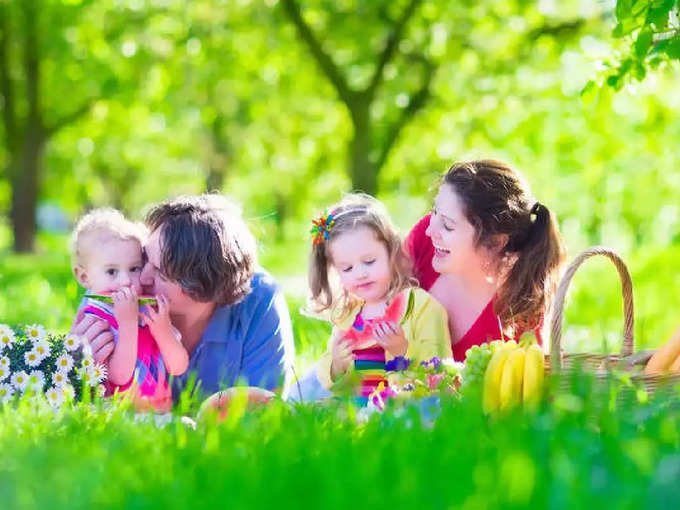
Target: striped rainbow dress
{"type": "Point", "coordinates": [369, 357]}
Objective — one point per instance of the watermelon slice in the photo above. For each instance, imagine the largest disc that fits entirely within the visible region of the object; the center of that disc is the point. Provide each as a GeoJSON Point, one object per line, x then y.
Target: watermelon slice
{"type": "Point", "coordinates": [142, 300]}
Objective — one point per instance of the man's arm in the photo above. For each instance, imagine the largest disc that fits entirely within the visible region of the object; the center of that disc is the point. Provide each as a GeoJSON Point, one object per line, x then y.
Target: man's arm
{"type": "Point", "coordinates": [268, 347]}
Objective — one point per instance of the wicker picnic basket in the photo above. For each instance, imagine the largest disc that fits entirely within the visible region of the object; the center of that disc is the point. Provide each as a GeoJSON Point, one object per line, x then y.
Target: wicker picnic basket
{"type": "Point", "coordinates": [598, 363]}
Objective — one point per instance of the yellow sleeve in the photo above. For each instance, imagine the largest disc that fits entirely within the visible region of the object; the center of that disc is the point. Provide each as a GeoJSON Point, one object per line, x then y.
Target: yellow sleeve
{"type": "Point", "coordinates": [427, 329]}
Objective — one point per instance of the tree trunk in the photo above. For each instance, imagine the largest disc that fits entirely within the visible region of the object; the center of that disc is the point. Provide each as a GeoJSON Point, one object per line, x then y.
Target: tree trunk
{"type": "Point", "coordinates": [26, 176]}
{"type": "Point", "coordinates": [25, 159]}
{"type": "Point", "coordinates": [362, 170]}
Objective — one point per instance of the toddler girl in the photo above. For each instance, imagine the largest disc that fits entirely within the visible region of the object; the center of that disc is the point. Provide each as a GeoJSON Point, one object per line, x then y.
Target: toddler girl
{"type": "Point", "coordinates": [107, 260]}
{"type": "Point", "coordinates": [360, 277]}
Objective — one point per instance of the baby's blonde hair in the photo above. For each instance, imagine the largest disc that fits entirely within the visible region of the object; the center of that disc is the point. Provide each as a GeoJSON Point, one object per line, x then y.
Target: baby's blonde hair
{"type": "Point", "coordinates": [106, 221]}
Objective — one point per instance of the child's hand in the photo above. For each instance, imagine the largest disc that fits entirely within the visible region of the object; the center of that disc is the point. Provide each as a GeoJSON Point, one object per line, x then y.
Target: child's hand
{"type": "Point", "coordinates": [342, 358]}
{"type": "Point", "coordinates": [125, 306]}
{"type": "Point", "coordinates": [159, 320]}
{"type": "Point", "coordinates": [390, 337]}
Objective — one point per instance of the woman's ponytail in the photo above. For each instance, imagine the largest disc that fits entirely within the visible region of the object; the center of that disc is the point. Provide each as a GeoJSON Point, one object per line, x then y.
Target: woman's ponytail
{"type": "Point", "coordinates": [527, 291]}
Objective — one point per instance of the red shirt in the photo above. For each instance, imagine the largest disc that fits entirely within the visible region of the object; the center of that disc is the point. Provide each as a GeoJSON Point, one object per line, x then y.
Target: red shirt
{"type": "Point", "coordinates": [487, 327]}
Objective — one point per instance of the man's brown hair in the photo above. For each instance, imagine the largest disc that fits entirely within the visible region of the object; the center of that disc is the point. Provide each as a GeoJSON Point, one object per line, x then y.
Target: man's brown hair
{"type": "Point", "coordinates": [206, 247]}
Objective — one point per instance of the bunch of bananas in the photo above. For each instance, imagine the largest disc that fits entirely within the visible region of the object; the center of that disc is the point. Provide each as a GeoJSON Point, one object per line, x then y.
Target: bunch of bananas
{"type": "Point", "coordinates": [514, 375]}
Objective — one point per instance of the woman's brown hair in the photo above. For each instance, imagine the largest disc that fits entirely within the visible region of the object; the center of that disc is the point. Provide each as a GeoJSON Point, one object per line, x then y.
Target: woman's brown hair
{"type": "Point", "coordinates": [496, 200]}
{"type": "Point", "coordinates": [354, 211]}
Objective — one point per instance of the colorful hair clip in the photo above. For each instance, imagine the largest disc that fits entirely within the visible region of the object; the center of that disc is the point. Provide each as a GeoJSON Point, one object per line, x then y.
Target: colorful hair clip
{"type": "Point", "coordinates": [321, 228]}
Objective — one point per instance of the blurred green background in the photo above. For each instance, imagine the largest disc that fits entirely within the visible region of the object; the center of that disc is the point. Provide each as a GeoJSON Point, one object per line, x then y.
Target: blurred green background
{"type": "Point", "coordinates": [285, 105]}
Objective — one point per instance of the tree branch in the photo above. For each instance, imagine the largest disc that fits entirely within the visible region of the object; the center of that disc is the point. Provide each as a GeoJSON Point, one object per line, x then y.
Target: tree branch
{"type": "Point", "coordinates": [392, 43]}
{"type": "Point", "coordinates": [329, 68]}
{"type": "Point", "coordinates": [6, 86]}
{"type": "Point", "coordinates": [69, 118]}
{"type": "Point", "coordinates": [563, 28]}
{"type": "Point", "coordinates": [417, 102]}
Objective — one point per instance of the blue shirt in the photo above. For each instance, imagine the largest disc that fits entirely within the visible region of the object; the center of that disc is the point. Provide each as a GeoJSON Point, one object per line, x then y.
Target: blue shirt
{"type": "Point", "coordinates": [250, 342]}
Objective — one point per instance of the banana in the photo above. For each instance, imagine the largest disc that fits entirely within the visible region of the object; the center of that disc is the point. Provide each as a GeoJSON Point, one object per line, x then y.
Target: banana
{"type": "Point", "coordinates": [510, 393]}
{"type": "Point", "coordinates": [533, 375]}
{"type": "Point", "coordinates": [675, 366]}
{"type": "Point", "coordinates": [492, 378]}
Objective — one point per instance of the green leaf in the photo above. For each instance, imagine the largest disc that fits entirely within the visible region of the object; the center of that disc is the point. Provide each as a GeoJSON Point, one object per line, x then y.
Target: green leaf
{"type": "Point", "coordinates": [626, 26]}
{"type": "Point", "coordinates": [643, 43]}
{"type": "Point", "coordinates": [673, 48]}
{"type": "Point", "coordinates": [589, 93]}
{"type": "Point", "coordinates": [658, 13]}
{"type": "Point", "coordinates": [639, 71]}
{"type": "Point", "coordinates": [624, 9]}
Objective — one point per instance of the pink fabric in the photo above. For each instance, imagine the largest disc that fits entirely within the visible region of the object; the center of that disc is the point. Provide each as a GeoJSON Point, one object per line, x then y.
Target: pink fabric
{"type": "Point", "coordinates": [152, 378]}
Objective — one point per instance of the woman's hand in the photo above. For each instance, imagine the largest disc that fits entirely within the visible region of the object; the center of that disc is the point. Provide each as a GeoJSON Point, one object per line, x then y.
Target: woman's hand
{"type": "Point", "coordinates": [342, 358]}
{"type": "Point", "coordinates": [96, 332]}
{"type": "Point", "coordinates": [390, 337]}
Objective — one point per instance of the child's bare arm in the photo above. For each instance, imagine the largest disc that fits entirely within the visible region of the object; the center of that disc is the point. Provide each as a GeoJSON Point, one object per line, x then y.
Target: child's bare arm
{"type": "Point", "coordinates": [174, 354]}
{"type": "Point", "coordinates": [121, 364]}
{"type": "Point", "coordinates": [341, 356]}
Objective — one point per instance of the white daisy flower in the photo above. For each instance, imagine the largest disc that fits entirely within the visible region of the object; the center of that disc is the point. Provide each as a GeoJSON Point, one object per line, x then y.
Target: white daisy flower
{"type": "Point", "coordinates": [4, 362]}
{"type": "Point", "coordinates": [42, 348]}
{"type": "Point", "coordinates": [64, 363]}
{"type": "Point", "coordinates": [36, 380]}
{"type": "Point", "coordinates": [6, 336]}
{"type": "Point", "coordinates": [85, 375]}
{"type": "Point", "coordinates": [98, 373]}
{"type": "Point", "coordinates": [59, 378]}
{"type": "Point", "coordinates": [87, 363]}
{"type": "Point", "coordinates": [32, 358]}
{"type": "Point", "coordinates": [100, 390]}
{"type": "Point", "coordinates": [35, 332]}
{"type": "Point", "coordinates": [4, 372]}
{"type": "Point", "coordinates": [6, 392]}
{"type": "Point", "coordinates": [72, 342]}
{"type": "Point", "coordinates": [67, 391]}
{"type": "Point", "coordinates": [55, 396]}
{"type": "Point", "coordinates": [19, 380]}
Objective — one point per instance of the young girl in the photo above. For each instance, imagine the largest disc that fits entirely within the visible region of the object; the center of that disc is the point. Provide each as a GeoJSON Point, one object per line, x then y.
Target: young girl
{"type": "Point", "coordinates": [361, 278]}
{"type": "Point", "coordinates": [108, 260]}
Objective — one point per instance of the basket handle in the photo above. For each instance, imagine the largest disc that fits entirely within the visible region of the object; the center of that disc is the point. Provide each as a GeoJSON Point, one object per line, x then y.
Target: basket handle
{"type": "Point", "coordinates": [626, 289]}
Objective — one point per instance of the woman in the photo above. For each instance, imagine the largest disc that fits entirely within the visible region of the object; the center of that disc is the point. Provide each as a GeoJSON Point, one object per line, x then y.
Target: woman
{"type": "Point", "coordinates": [488, 252]}
{"type": "Point", "coordinates": [232, 317]}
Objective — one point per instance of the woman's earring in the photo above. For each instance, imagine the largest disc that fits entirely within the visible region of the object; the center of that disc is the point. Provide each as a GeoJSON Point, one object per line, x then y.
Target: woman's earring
{"type": "Point", "coordinates": [486, 267]}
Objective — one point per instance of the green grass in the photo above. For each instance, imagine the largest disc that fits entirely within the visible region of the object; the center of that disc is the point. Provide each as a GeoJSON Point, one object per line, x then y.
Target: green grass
{"type": "Point", "coordinates": [574, 452]}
